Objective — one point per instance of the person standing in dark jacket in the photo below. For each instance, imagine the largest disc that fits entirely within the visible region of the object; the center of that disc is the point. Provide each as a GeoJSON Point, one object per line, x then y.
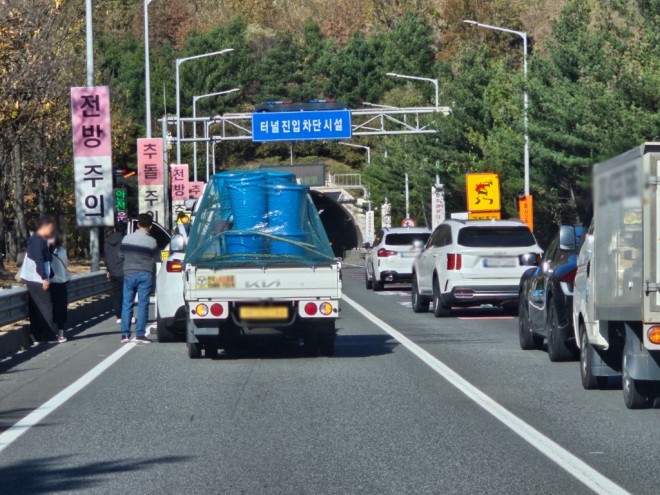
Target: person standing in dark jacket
{"type": "Point", "coordinates": [115, 266]}
{"type": "Point", "coordinates": [36, 273]}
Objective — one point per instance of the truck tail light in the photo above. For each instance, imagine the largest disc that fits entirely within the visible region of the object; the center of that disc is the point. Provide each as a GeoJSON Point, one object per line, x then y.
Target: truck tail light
{"type": "Point", "coordinates": [174, 266]}
{"type": "Point", "coordinates": [570, 276]}
{"type": "Point", "coordinates": [201, 310]}
{"type": "Point", "coordinates": [384, 253]}
{"type": "Point", "coordinates": [325, 308]}
{"type": "Point", "coordinates": [654, 335]}
{"type": "Point", "coordinates": [217, 309]}
{"type": "Point", "coordinates": [454, 262]}
{"type": "Point", "coordinates": [310, 309]}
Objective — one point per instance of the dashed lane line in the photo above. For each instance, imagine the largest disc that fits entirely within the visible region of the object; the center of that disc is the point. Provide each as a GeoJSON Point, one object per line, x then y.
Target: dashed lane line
{"type": "Point", "coordinates": [572, 464]}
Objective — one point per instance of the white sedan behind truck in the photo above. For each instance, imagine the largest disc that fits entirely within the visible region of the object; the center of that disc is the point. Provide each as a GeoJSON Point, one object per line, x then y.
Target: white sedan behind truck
{"type": "Point", "coordinates": [390, 258]}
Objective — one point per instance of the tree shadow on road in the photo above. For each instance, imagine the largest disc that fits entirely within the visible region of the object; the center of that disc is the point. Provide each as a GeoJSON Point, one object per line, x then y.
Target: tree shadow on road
{"type": "Point", "coordinates": [48, 475]}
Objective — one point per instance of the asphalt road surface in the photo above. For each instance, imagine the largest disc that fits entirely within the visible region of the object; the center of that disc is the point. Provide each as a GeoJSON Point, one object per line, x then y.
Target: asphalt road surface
{"type": "Point", "coordinates": [409, 404]}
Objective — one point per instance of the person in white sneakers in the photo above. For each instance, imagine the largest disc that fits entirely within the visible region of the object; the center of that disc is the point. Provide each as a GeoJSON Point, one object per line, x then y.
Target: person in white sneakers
{"type": "Point", "coordinates": [59, 284]}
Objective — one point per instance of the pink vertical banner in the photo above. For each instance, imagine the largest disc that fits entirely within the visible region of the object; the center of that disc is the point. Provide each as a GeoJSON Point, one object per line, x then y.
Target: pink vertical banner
{"type": "Point", "coordinates": [180, 182]}
{"type": "Point", "coordinates": [90, 116]}
{"type": "Point", "coordinates": [150, 162]}
{"type": "Point", "coordinates": [195, 190]}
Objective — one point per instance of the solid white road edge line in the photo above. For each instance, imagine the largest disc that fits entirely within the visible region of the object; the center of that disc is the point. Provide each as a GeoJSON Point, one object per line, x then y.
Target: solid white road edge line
{"type": "Point", "coordinates": [35, 417]}
{"type": "Point", "coordinates": [553, 451]}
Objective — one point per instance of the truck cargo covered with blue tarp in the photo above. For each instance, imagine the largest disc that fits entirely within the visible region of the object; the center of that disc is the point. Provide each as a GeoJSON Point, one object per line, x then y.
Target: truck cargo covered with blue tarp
{"type": "Point", "coordinates": [257, 218]}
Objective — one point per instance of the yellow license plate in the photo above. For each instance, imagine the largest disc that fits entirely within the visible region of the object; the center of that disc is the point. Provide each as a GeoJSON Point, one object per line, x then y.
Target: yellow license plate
{"type": "Point", "coordinates": [263, 313]}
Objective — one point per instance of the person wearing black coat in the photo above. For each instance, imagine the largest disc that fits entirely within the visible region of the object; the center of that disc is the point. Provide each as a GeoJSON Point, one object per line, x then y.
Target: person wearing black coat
{"type": "Point", "coordinates": [115, 266]}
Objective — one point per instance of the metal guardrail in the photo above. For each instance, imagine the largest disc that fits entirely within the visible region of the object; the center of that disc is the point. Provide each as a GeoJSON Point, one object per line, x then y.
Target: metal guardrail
{"type": "Point", "coordinates": [14, 302]}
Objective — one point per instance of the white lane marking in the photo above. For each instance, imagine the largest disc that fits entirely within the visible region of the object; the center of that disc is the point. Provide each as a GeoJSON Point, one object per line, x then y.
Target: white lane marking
{"type": "Point", "coordinates": [485, 318]}
{"type": "Point", "coordinates": [553, 451]}
{"type": "Point", "coordinates": [35, 417]}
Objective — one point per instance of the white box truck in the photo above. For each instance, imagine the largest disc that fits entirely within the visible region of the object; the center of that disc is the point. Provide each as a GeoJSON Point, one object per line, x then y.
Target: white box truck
{"type": "Point", "coordinates": [616, 304]}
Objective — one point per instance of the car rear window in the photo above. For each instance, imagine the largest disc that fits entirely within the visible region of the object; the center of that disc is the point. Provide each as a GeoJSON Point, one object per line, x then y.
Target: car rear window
{"type": "Point", "coordinates": [495, 237]}
{"type": "Point", "coordinates": [406, 239]}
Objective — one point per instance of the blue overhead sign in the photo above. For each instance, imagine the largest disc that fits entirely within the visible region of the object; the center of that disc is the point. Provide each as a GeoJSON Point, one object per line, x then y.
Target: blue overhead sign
{"type": "Point", "coordinates": [301, 126]}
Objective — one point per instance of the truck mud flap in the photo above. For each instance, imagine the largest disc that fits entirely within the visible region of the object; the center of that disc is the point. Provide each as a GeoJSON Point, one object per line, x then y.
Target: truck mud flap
{"type": "Point", "coordinates": [196, 329]}
{"type": "Point", "coordinates": [642, 363]}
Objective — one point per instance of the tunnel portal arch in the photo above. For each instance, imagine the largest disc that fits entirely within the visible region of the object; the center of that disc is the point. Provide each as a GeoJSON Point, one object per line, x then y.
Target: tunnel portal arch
{"type": "Point", "coordinates": [340, 225]}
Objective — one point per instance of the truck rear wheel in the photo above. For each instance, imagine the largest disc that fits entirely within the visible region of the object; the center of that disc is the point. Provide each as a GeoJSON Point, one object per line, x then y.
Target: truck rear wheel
{"type": "Point", "coordinates": [635, 392]}
{"type": "Point", "coordinates": [311, 341]}
{"type": "Point", "coordinates": [212, 351]}
{"type": "Point", "coordinates": [194, 351]}
{"type": "Point", "coordinates": [558, 349]}
{"type": "Point", "coordinates": [327, 336]}
{"type": "Point", "coordinates": [587, 351]}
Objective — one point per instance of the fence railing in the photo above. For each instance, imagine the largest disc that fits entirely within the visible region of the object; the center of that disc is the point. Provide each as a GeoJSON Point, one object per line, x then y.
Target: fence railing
{"type": "Point", "coordinates": [14, 302]}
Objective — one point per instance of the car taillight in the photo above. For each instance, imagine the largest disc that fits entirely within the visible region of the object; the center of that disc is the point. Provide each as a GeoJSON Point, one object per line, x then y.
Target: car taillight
{"type": "Point", "coordinates": [570, 276]}
{"type": "Point", "coordinates": [311, 309]}
{"type": "Point", "coordinates": [384, 253]}
{"type": "Point", "coordinates": [174, 266]}
{"type": "Point", "coordinates": [454, 262]}
{"type": "Point", "coordinates": [217, 309]}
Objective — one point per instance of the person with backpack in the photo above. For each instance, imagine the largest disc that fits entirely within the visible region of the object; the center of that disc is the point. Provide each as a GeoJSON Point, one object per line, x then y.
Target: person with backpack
{"type": "Point", "coordinates": [59, 285]}
{"type": "Point", "coordinates": [36, 273]}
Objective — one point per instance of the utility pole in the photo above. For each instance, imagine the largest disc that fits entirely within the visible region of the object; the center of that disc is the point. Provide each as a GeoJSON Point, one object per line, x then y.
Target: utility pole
{"type": "Point", "coordinates": [94, 232]}
{"type": "Point", "coordinates": [407, 199]}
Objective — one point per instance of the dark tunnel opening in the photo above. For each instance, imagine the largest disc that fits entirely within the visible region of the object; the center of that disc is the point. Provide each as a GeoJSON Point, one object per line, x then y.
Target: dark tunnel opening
{"type": "Point", "coordinates": [343, 232]}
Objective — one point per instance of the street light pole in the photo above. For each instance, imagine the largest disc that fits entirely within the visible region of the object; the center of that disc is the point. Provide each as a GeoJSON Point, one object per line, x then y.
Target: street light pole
{"type": "Point", "coordinates": [147, 70]}
{"type": "Point", "coordinates": [435, 83]}
{"type": "Point", "coordinates": [194, 105]}
{"type": "Point", "coordinates": [178, 63]}
{"type": "Point", "coordinates": [367, 148]}
{"type": "Point", "coordinates": [524, 37]}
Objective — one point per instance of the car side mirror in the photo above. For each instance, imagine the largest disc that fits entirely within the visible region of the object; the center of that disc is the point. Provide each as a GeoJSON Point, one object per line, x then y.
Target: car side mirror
{"type": "Point", "coordinates": [530, 259]}
{"type": "Point", "coordinates": [366, 245]}
{"type": "Point", "coordinates": [567, 238]}
{"type": "Point", "coordinates": [178, 243]}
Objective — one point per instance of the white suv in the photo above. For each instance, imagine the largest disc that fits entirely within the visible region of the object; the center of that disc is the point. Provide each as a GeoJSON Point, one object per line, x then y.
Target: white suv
{"type": "Point", "coordinates": [468, 263]}
{"type": "Point", "coordinates": [391, 256]}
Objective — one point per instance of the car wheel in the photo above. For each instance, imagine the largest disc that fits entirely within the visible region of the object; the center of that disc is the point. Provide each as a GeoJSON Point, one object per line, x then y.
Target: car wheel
{"type": "Point", "coordinates": [376, 285]}
{"type": "Point", "coordinates": [419, 303]}
{"type": "Point", "coordinates": [439, 307]}
{"type": "Point", "coordinates": [528, 340]}
{"type": "Point", "coordinates": [163, 333]}
{"type": "Point", "coordinates": [635, 392]}
{"type": "Point", "coordinates": [558, 349]}
{"type": "Point", "coordinates": [194, 351]}
{"type": "Point", "coordinates": [327, 337]}
{"type": "Point", "coordinates": [368, 282]}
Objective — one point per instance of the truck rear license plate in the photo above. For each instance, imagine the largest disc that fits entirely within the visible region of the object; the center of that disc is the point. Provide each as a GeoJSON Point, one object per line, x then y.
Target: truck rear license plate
{"type": "Point", "coordinates": [263, 313]}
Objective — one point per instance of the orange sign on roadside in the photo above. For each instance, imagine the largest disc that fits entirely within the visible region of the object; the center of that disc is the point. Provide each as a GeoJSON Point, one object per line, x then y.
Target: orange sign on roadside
{"type": "Point", "coordinates": [526, 210]}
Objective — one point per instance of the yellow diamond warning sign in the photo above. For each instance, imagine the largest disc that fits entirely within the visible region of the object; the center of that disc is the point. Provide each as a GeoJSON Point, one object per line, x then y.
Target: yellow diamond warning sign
{"type": "Point", "coordinates": [483, 192]}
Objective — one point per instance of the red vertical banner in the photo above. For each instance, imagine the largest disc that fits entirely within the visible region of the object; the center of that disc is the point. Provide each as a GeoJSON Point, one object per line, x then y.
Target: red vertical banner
{"type": "Point", "coordinates": [180, 184]}
{"type": "Point", "coordinates": [92, 156]}
{"type": "Point", "coordinates": [195, 190]}
{"type": "Point", "coordinates": [151, 190]}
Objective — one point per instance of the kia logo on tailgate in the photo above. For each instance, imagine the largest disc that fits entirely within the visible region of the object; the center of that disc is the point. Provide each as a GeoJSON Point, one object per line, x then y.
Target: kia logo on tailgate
{"type": "Point", "coordinates": [263, 284]}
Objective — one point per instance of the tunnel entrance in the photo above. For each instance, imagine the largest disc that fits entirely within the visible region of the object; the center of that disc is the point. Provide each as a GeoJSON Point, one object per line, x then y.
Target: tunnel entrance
{"type": "Point", "coordinates": [343, 232]}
